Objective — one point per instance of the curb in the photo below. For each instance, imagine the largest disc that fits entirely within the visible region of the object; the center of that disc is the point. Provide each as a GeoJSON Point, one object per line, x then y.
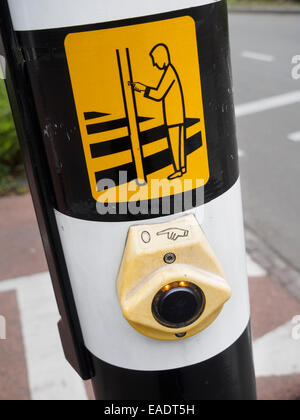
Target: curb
{"type": "Point", "coordinates": [264, 10]}
{"type": "Point", "coordinates": [275, 266]}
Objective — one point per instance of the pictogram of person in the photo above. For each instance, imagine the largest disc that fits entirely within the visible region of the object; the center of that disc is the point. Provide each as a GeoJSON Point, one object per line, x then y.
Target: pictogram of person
{"type": "Point", "coordinates": [169, 91]}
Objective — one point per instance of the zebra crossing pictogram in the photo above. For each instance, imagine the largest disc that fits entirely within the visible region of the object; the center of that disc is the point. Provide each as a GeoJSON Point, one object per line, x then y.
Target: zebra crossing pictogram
{"type": "Point", "coordinates": [140, 107]}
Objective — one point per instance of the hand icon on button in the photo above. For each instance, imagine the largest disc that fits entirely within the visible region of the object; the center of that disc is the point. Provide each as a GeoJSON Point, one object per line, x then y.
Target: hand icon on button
{"type": "Point", "coordinates": [167, 301]}
{"type": "Point", "coordinates": [174, 233]}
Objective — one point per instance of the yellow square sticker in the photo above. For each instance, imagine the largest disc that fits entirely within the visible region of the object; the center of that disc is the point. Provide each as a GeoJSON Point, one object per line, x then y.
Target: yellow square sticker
{"type": "Point", "coordinates": [138, 96]}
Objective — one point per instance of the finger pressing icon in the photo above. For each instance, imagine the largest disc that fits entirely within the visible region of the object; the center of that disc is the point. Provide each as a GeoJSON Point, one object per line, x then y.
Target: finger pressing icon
{"type": "Point", "coordinates": [174, 233]}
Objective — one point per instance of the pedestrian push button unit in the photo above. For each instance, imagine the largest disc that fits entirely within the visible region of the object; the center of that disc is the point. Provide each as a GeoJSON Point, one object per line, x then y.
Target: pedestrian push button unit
{"type": "Point", "coordinates": [171, 285]}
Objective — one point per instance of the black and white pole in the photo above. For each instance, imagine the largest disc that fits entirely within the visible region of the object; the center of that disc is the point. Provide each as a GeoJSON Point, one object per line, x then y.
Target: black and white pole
{"type": "Point", "coordinates": [109, 97]}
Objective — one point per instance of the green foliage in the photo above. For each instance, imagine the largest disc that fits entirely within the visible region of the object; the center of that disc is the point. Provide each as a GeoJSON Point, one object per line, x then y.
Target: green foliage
{"type": "Point", "coordinates": [10, 158]}
{"type": "Point", "coordinates": [262, 3]}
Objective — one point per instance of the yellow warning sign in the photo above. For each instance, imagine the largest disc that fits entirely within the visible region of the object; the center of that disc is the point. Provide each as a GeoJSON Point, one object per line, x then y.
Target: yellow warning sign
{"type": "Point", "coordinates": [138, 97]}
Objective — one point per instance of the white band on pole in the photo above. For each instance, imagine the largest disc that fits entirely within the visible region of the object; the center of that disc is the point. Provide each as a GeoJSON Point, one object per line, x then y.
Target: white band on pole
{"type": "Point", "coordinates": [30, 15]}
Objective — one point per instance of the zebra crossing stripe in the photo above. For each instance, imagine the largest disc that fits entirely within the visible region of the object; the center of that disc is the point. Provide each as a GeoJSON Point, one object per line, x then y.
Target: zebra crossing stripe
{"type": "Point", "coordinates": [50, 376]}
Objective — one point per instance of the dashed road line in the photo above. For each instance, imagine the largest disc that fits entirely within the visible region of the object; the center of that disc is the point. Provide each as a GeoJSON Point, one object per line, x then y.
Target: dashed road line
{"type": "Point", "coordinates": [295, 137]}
{"type": "Point", "coordinates": [277, 354]}
{"type": "Point", "coordinates": [267, 104]}
{"type": "Point", "coordinates": [258, 56]}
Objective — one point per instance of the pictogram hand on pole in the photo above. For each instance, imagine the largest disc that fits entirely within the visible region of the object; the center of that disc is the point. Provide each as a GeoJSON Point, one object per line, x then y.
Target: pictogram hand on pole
{"type": "Point", "coordinates": [174, 233]}
{"type": "Point", "coordinates": [138, 87]}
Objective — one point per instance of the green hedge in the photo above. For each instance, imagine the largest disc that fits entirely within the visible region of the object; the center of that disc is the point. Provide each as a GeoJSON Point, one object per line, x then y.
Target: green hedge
{"type": "Point", "coordinates": [11, 166]}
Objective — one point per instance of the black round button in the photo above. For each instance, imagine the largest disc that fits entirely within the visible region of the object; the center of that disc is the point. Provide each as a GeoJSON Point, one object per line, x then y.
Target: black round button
{"type": "Point", "coordinates": [178, 306]}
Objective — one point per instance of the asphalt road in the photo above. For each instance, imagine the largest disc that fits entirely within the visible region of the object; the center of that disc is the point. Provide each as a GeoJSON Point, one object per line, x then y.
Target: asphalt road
{"type": "Point", "coordinates": [262, 50]}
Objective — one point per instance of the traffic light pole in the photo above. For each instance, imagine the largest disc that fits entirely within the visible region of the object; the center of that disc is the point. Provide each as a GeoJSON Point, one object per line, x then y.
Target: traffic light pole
{"type": "Point", "coordinates": [151, 283]}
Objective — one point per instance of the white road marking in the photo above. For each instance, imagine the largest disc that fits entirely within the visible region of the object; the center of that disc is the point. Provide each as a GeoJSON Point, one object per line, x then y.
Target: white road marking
{"type": "Point", "coordinates": [277, 354]}
{"type": "Point", "coordinates": [267, 104]}
{"type": "Point", "coordinates": [258, 56]}
{"type": "Point", "coordinates": [50, 376]}
{"type": "Point", "coordinates": [294, 136]}
{"type": "Point", "coordinates": [254, 270]}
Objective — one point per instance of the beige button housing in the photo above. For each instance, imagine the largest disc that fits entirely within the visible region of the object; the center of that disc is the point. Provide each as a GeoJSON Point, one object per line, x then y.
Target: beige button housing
{"type": "Point", "coordinates": [157, 256]}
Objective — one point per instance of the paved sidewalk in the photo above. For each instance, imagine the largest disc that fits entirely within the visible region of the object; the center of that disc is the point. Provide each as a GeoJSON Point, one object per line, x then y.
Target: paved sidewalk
{"type": "Point", "coordinates": [21, 251]}
{"type": "Point", "coordinates": [32, 362]}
